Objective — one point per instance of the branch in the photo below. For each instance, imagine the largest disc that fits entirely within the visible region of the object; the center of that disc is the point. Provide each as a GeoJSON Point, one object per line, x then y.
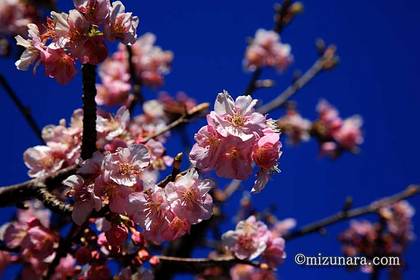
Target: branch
{"type": "Point", "coordinates": [185, 118]}
{"type": "Point", "coordinates": [21, 192]}
{"type": "Point", "coordinates": [89, 111]}
{"type": "Point", "coordinates": [356, 212]}
{"type": "Point", "coordinates": [198, 264]}
{"type": "Point", "coordinates": [136, 94]}
{"type": "Point", "coordinates": [22, 108]}
{"type": "Point", "coordinates": [326, 61]}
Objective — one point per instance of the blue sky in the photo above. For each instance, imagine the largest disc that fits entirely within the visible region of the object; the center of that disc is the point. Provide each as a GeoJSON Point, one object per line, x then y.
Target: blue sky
{"type": "Point", "coordinates": [377, 78]}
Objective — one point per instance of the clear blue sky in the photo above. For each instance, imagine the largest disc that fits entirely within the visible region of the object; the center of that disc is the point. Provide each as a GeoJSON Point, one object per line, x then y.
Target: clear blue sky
{"type": "Point", "coordinates": [378, 78]}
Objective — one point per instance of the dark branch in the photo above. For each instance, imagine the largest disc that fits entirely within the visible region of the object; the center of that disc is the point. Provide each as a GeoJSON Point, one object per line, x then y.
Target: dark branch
{"type": "Point", "coordinates": [136, 92]}
{"type": "Point", "coordinates": [326, 61]}
{"type": "Point", "coordinates": [89, 111]}
{"type": "Point", "coordinates": [356, 212]}
{"type": "Point", "coordinates": [26, 112]}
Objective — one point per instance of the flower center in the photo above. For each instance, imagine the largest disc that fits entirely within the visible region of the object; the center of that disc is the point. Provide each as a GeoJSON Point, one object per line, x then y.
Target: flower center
{"type": "Point", "coordinates": [127, 169]}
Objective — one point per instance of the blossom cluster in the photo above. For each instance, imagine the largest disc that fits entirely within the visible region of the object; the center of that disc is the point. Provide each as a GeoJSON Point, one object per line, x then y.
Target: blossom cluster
{"type": "Point", "coordinates": [235, 138]}
{"type": "Point", "coordinates": [266, 50]}
{"type": "Point", "coordinates": [334, 134]}
{"type": "Point", "coordinates": [116, 180]}
{"type": "Point", "coordinates": [36, 243]}
{"type": "Point", "coordinates": [77, 35]}
{"type": "Point", "coordinates": [387, 238]}
{"type": "Point", "coordinates": [15, 15]}
{"type": "Point", "coordinates": [252, 239]}
{"type": "Point", "coordinates": [150, 64]}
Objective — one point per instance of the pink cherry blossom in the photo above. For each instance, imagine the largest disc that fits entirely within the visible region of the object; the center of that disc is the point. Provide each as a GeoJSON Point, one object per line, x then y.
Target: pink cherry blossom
{"type": "Point", "coordinates": [151, 61]}
{"type": "Point", "coordinates": [207, 150]}
{"type": "Point", "coordinates": [121, 25]}
{"type": "Point", "coordinates": [248, 240]}
{"type": "Point", "coordinates": [116, 235]}
{"type": "Point", "coordinates": [96, 11]}
{"type": "Point", "coordinates": [266, 152]}
{"type": "Point", "coordinates": [189, 197]}
{"type": "Point", "coordinates": [274, 254]}
{"type": "Point", "coordinates": [349, 136]}
{"type": "Point", "coordinates": [249, 272]}
{"type": "Point", "coordinates": [267, 50]}
{"type": "Point", "coordinates": [295, 126]}
{"type": "Point", "coordinates": [32, 46]}
{"type": "Point", "coordinates": [41, 161]}
{"type": "Point", "coordinates": [236, 117]}
{"type": "Point", "coordinates": [14, 16]}
{"type": "Point", "coordinates": [110, 126]}
{"type": "Point", "coordinates": [124, 167]}
{"type": "Point", "coordinates": [115, 85]}
{"type": "Point", "coordinates": [58, 64]}
{"type": "Point", "coordinates": [85, 199]}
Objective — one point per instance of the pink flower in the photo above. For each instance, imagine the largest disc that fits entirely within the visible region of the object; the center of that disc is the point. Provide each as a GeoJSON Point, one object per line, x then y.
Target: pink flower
{"type": "Point", "coordinates": [32, 46]}
{"type": "Point", "coordinates": [267, 151]}
{"type": "Point", "coordinates": [14, 16]}
{"type": "Point", "coordinates": [206, 152]}
{"type": "Point", "coordinates": [295, 126]}
{"type": "Point", "coordinates": [329, 117]}
{"type": "Point", "coordinates": [249, 272]}
{"type": "Point", "coordinates": [121, 25]}
{"type": "Point", "coordinates": [124, 167]}
{"type": "Point", "coordinates": [267, 50]}
{"type": "Point", "coordinates": [115, 82]}
{"type": "Point", "coordinates": [41, 161]}
{"type": "Point", "coordinates": [236, 118]}
{"type": "Point", "coordinates": [248, 240]}
{"type": "Point", "coordinates": [85, 199]}
{"type": "Point", "coordinates": [349, 135]}
{"type": "Point", "coordinates": [96, 11]}
{"type": "Point", "coordinates": [274, 254]}
{"type": "Point", "coordinates": [284, 226]}
{"type": "Point", "coordinates": [235, 160]}
{"type": "Point", "coordinates": [151, 61]}
{"type": "Point", "coordinates": [58, 64]}
{"type": "Point", "coordinates": [111, 127]}
{"type": "Point", "coordinates": [189, 197]}
{"type": "Point", "coordinates": [152, 211]}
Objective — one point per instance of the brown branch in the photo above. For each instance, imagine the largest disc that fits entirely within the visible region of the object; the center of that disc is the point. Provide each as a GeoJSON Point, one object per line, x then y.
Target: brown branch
{"type": "Point", "coordinates": [326, 61]}
{"type": "Point", "coordinates": [198, 264]}
{"type": "Point", "coordinates": [21, 192]}
{"type": "Point", "coordinates": [356, 212]}
{"type": "Point", "coordinates": [89, 111]}
{"type": "Point", "coordinates": [136, 84]}
{"type": "Point", "coordinates": [25, 111]}
{"type": "Point", "coordinates": [179, 264]}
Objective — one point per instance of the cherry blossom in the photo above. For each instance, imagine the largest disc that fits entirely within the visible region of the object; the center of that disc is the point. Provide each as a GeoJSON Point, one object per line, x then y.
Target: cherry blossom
{"type": "Point", "coordinates": [248, 240]}
{"type": "Point", "coordinates": [124, 167]}
{"type": "Point", "coordinates": [77, 35]}
{"type": "Point", "coordinates": [189, 197]}
{"type": "Point", "coordinates": [267, 50]}
{"type": "Point", "coordinates": [295, 126]}
{"type": "Point", "coordinates": [15, 15]}
{"type": "Point", "coordinates": [85, 199]}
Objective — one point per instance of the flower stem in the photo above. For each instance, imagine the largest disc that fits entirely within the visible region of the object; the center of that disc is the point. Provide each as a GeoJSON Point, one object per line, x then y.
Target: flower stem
{"type": "Point", "coordinates": [89, 111]}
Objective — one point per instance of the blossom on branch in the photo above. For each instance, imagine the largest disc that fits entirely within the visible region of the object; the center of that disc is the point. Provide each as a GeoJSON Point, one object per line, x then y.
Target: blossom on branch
{"type": "Point", "coordinates": [77, 35]}
{"type": "Point", "coordinates": [235, 137]}
{"type": "Point", "coordinates": [266, 50]}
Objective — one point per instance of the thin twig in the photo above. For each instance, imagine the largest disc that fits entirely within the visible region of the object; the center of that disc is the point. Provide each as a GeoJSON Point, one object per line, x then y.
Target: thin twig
{"type": "Point", "coordinates": [26, 112]}
{"type": "Point", "coordinates": [89, 111]}
{"type": "Point", "coordinates": [298, 84]}
{"type": "Point", "coordinates": [185, 118]}
{"type": "Point", "coordinates": [356, 212]}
